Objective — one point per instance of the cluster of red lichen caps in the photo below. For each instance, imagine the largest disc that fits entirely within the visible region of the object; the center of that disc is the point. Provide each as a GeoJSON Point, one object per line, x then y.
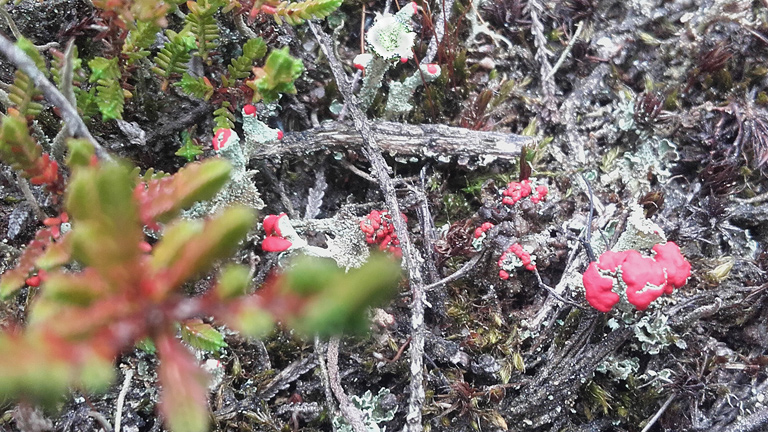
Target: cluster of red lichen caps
{"type": "Point", "coordinates": [274, 242]}
{"type": "Point", "coordinates": [516, 191]}
{"type": "Point", "coordinates": [647, 278]}
{"type": "Point", "coordinates": [519, 252]}
{"type": "Point", "coordinates": [479, 231]}
{"type": "Point", "coordinates": [379, 229]}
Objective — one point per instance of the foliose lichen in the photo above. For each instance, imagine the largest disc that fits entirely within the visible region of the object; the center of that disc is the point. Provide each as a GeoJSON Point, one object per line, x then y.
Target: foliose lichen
{"type": "Point", "coordinates": [373, 409]}
{"type": "Point", "coordinates": [654, 334]}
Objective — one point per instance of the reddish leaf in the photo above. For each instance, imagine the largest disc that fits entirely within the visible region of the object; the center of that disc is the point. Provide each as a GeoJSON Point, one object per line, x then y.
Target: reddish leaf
{"type": "Point", "coordinates": [107, 229]}
{"type": "Point", "coordinates": [162, 199]}
{"type": "Point", "coordinates": [13, 280]}
{"type": "Point", "coordinates": [183, 398]}
{"type": "Point", "coordinates": [189, 248]}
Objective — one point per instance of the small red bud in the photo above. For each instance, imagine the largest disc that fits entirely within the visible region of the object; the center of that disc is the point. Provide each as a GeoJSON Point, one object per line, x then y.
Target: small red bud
{"type": "Point", "coordinates": [51, 221]}
{"type": "Point", "coordinates": [279, 135]}
{"type": "Point", "coordinates": [33, 281]}
{"type": "Point", "coordinates": [249, 110]}
{"type": "Point", "coordinates": [145, 247]}
{"type": "Point", "coordinates": [403, 59]}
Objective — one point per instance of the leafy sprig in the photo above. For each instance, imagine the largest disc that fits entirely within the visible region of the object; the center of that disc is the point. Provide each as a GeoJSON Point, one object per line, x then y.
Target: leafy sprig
{"type": "Point", "coordinates": [110, 97]}
{"type": "Point", "coordinates": [297, 13]}
{"type": "Point", "coordinates": [203, 25]}
{"type": "Point", "coordinates": [23, 92]}
{"type": "Point", "coordinates": [277, 76]}
{"type": "Point", "coordinates": [173, 57]}
{"type": "Point", "coordinates": [242, 66]}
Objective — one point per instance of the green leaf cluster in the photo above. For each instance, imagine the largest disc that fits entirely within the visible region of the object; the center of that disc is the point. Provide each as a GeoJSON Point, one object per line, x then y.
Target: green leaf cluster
{"type": "Point", "coordinates": [17, 148]}
{"type": "Point", "coordinates": [23, 92]}
{"type": "Point", "coordinates": [242, 66]}
{"type": "Point", "coordinates": [138, 41]}
{"type": "Point", "coordinates": [198, 87]}
{"type": "Point", "coordinates": [203, 25]}
{"type": "Point", "coordinates": [85, 98]}
{"type": "Point", "coordinates": [189, 150]}
{"type": "Point", "coordinates": [278, 75]}
{"type": "Point", "coordinates": [109, 95]}
{"type": "Point", "coordinates": [223, 117]}
{"type": "Point", "coordinates": [173, 57]}
{"type": "Point", "coordinates": [296, 13]}
{"type": "Point", "coordinates": [337, 300]}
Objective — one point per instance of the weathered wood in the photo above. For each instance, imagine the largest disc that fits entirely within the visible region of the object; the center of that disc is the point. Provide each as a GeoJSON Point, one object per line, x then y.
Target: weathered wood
{"type": "Point", "coordinates": [444, 143]}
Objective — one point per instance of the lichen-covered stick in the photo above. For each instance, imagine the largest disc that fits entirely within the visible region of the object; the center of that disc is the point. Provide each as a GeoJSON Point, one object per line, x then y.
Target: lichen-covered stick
{"type": "Point", "coordinates": [68, 112]}
{"type": "Point", "coordinates": [380, 170]}
{"type": "Point", "coordinates": [444, 143]}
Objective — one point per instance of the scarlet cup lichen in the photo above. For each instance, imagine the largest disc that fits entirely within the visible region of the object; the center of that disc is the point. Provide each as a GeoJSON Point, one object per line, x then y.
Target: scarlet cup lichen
{"type": "Point", "coordinates": [644, 279]}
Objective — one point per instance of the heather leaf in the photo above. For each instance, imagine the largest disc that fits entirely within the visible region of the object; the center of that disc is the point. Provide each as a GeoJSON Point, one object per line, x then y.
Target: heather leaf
{"type": "Point", "coordinates": [248, 316]}
{"type": "Point", "coordinates": [96, 373]}
{"type": "Point", "coordinates": [163, 198]}
{"type": "Point", "coordinates": [23, 92]}
{"type": "Point", "coordinates": [14, 279]}
{"type": "Point", "coordinates": [296, 13]}
{"type": "Point", "coordinates": [139, 39]}
{"type": "Point", "coordinates": [80, 152]}
{"type": "Point", "coordinates": [338, 300]}
{"type": "Point", "coordinates": [103, 69]}
{"type": "Point", "coordinates": [183, 398]}
{"type": "Point", "coordinates": [78, 289]}
{"type": "Point", "coordinates": [147, 346]}
{"type": "Point", "coordinates": [233, 281]}
{"type": "Point", "coordinates": [255, 49]}
{"type": "Point", "coordinates": [108, 230]}
{"type": "Point", "coordinates": [19, 150]}
{"type": "Point", "coordinates": [223, 117]}
{"type": "Point", "coordinates": [202, 336]}
{"type": "Point", "coordinates": [56, 254]}
{"type": "Point", "coordinates": [110, 97]}
{"type": "Point", "coordinates": [175, 237]}
{"type": "Point", "coordinates": [31, 50]}
{"type": "Point", "coordinates": [173, 57]}
{"type": "Point", "coordinates": [29, 367]}
{"type": "Point", "coordinates": [201, 245]}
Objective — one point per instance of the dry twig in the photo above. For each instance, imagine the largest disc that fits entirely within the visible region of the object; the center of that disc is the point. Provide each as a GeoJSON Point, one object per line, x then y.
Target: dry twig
{"type": "Point", "coordinates": [427, 140]}
{"type": "Point", "coordinates": [381, 171]}
{"type": "Point", "coordinates": [351, 413]}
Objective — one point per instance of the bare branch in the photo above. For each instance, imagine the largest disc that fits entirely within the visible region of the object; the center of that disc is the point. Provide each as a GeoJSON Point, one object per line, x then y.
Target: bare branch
{"type": "Point", "coordinates": [426, 140]}
{"type": "Point", "coordinates": [380, 169]}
